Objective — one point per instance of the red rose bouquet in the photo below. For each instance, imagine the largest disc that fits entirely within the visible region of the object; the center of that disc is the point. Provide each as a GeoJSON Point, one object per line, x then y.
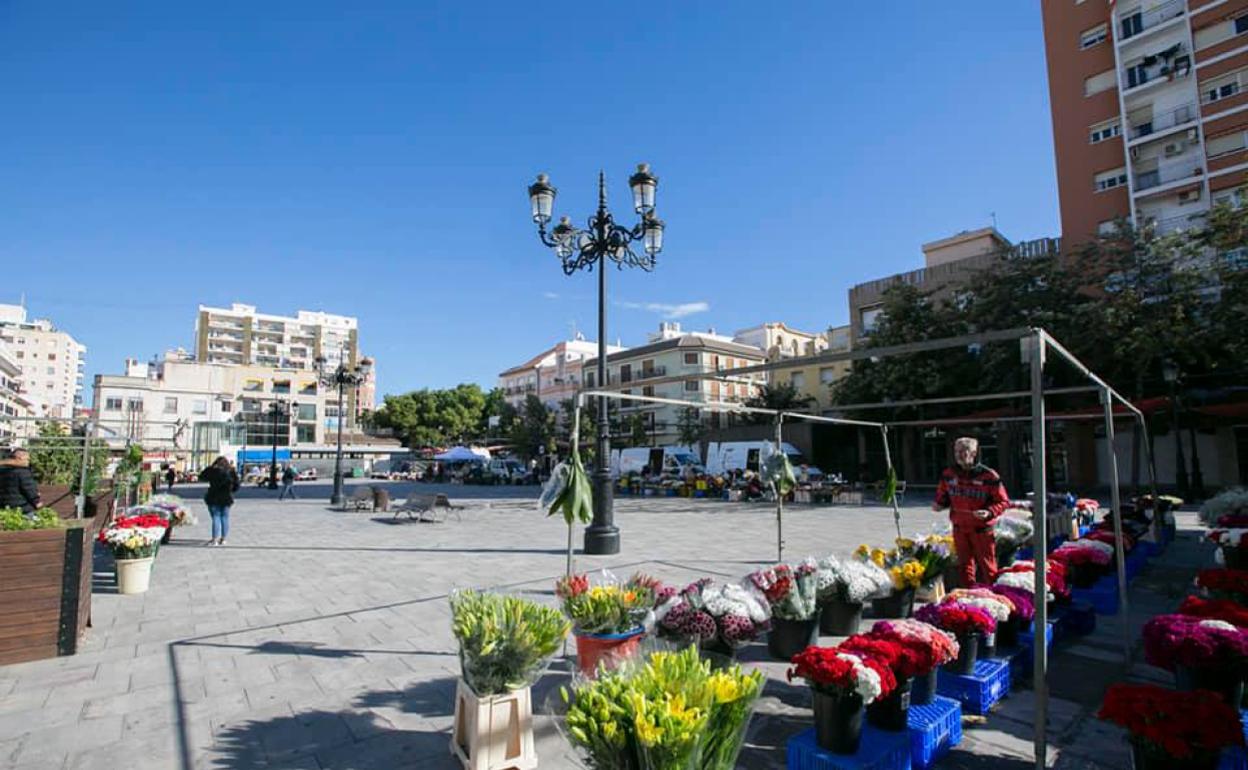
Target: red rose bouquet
{"type": "Point", "coordinates": [959, 619]}
{"type": "Point", "coordinates": [1054, 577]}
{"type": "Point", "coordinates": [934, 646]}
{"type": "Point", "coordinates": [1225, 583]}
{"type": "Point", "coordinates": [1107, 536]}
{"type": "Point", "coordinates": [1180, 725]}
{"type": "Point", "coordinates": [775, 583]}
{"type": "Point", "coordinates": [1215, 609]}
{"type": "Point", "coordinates": [835, 671]}
{"type": "Point", "coordinates": [904, 660]}
{"type": "Point", "coordinates": [1195, 643]}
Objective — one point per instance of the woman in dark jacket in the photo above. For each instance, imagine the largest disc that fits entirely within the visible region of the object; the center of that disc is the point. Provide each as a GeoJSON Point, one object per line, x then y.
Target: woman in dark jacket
{"type": "Point", "coordinates": [17, 484]}
{"type": "Point", "coordinates": [222, 484]}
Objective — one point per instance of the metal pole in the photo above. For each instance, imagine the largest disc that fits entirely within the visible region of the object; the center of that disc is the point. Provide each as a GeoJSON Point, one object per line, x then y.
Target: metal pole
{"type": "Point", "coordinates": [1116, 504]}
{"type": "Point", "coordinates": [336, 497]}
{"type": "Point", "coordinates": [1180, 461]}
{"type": "Point", "coordinates": [779, 495]}
{"type": "Point", "coordinates": [1198, 479]}
{"type": "Point", "coordinates": [273, 461]}
{"type": "Point", "coordinates": [602, 537]}
{"type": "Point", "coordinates": [888, 464]}
{"type": "Point", "coordinates": [80, 503]}
{"type": "Point", "coordinates": [1040, 662]}
{"type": "Point", "coordinates": [576, 448]}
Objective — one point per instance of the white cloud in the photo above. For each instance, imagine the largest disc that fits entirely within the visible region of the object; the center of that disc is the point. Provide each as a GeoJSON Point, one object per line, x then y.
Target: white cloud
{"type": "Point", "coordinates": [549, 295]}
{"type": "Point", "coordinates": [668, 311]}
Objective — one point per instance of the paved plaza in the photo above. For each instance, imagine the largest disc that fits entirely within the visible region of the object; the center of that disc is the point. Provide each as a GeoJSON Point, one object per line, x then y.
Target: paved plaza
{"type": "Point", "coordinates": [321, 639]}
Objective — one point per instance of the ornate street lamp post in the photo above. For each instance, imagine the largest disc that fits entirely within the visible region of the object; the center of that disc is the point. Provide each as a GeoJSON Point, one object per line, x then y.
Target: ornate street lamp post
{"type": "Point", "coordinates": [278, 409]}
{"type": "Point", "coordinates": [586, 249]}
{"type": "Point", "coordinates": [343, 377]}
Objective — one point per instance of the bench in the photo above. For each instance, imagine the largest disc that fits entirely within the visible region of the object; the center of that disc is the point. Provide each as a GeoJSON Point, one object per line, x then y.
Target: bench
{"type": "Point", "coordinates": [360, 500]}
{"type": "Point", "coordinates": [432, 509]}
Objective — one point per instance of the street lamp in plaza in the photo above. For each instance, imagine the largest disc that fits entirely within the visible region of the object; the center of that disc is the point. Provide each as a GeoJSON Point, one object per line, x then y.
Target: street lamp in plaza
{"type": "Point", "coordinates": [278, 409]}
{"type": "Point", "coordinates": [342, 377]}
{"type": "Point", "coordinates": [1170, 372]}
{"type": "Point", "coordinates": [577, 249]}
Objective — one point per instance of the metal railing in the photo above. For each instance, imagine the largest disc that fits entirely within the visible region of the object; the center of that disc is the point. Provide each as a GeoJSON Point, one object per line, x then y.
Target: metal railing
{"type": "Point", "coordinates": [1174, 224]}
{"type": "Point", "coordinates": [1142, 21]}
{"type": "Point", "coordinates": [1185, 113]}
{"type": "Point", "coordinates": [1172, 172]}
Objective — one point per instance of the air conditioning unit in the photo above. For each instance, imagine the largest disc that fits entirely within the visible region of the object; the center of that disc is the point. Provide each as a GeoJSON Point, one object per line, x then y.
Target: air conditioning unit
{"type": "Point", "coordinates": [1189, 196]}
{"type": "Point", "coordinates": [1174, 148]}
{"type": "Point", "coordinates": [1192, 134]}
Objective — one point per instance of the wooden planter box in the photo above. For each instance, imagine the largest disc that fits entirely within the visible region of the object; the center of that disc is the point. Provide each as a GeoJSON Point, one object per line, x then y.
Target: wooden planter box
{"type": "Point", "coordinates": [59, 498]}
{"type": "Point", "coordinates": [45, 591]}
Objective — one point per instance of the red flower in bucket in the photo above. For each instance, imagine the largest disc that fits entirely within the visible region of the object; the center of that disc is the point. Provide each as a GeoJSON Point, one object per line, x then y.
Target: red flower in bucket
{"type": "Point", "coordinates": [1180, 724]}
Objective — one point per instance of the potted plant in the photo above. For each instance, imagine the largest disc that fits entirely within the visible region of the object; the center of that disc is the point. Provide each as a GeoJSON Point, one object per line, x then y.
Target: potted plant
{"type": "Point", "coordinates": [1171, 730]}
{"type": "Point", "coordinates": [1022, 614]}
{"type": "Point", "coordinates": [967, 623]}
{"type": "Point", "coordinates": [134, 541]}
{"type": "Point", "coordinates": [996, 605]}
{"type": "Point", "coordinates": [906, 574]}
{"type": "Point", "coordinates": [934, 553]}
{"type": "Point", "coordinates": [607, 618]}
{"type": "Point", "coordinates": [1011, 530]}
{"type": "Point", "coordinates": [842, 684]}
{"type": "Point", "coordinates": [1234, 544]}
{"type": "Point", "coordinates": [1022, 574]}
{"type": "Point", "coordinates": [504, 641]}
{"type": "Point", "coordinates": [717, 617]}
{"type": "Point", "coordinates": [1221, 583]}
{"type": "Point", "coordinates": [169, 507]}
{"type": "Point", "coordinates": [843, 587]}
{"type": "Point", "coordinates": [1203, 653]}
{"type": "Point", "coordinates": [793, 595]}
{"type": "Point", "coordinates": [672, 710]}
{"type": "Point", "coordinates": [891, 711]}
{"type": "Point", "coordinates": [1086, 560]}
{"type": "Point", "coordinates": [931, 647]}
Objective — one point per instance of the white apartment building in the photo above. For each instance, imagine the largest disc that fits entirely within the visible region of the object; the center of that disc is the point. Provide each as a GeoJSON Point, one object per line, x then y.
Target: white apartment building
{"type": "Point", "coordinates": [554, 375]}
{"type": "Point", "coordinates": [15, 410]}
{"type": "Point", "coordinates": [52, 362]}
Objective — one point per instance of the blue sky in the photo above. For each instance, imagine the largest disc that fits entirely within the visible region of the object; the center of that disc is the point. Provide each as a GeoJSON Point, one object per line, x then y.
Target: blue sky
{"type": "Point", "coordinates": [373, 162]}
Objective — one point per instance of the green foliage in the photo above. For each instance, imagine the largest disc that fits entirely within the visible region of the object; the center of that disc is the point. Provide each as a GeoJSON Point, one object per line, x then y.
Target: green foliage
{"type": "Point", "coordinates": [129, 471]}
{"type": "Point", "coordinates": [689, 427]}
{"type": "Point", "coordinates": [783, 396]}
{"type": "Point", "coordinates": [533, 429]}
{"type": "Point", "coordinates": [576, 498]}
{"type": "Point", "coordinates": [779, 471]}
{"type": "Point", "coordinates": [638, 431]}
{"type": "Point", "coordinates": [439, 417]}
{"type": "Point", "coordinates": [56, 457]}
{"type": "Point", "coordinates": [890, 486]}
{"type": "Point", "coordinates": [503, 640]}
{"type": "Point", "coordinates": [14, 520]}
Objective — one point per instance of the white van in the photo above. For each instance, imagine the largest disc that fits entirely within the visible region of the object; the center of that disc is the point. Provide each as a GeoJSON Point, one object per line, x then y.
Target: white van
{"type": "Point", "coordinates": [728, 456]}
{"type": "Point", "coordinates": [675, 461]}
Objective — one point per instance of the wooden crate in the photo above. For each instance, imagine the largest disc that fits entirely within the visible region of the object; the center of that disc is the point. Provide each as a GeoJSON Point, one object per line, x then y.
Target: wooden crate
{"type": "Point", "coordinates": [45, 591]}
{"type": "Point", "coordinates": [495, 732]}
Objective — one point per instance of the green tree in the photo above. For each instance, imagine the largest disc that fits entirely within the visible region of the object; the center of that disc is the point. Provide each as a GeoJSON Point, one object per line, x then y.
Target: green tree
{"type": "Point", "coordinates": [56, 457]}
{"type": "Point", "coordinates": [638, 430]}
{"type": "Point", "coordinates": [436, 417]}
{"type": "Point", "coordinates": [689, 427]}
{"type": "Point", "coordinates": [533, 430]}
{"type": "Point", "coordinates": [781, 395]}
{"type": "Point", "coordinates": [589, 429]}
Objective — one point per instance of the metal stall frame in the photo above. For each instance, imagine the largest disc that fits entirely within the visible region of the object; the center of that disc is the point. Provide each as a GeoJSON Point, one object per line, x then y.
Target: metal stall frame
{"type": "Point", "coordinates": [1035, 345]}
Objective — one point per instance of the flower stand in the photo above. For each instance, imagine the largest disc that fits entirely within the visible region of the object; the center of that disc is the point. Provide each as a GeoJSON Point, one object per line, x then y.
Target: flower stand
{"type": "Point", "coordinates": [1103, 595]}
{"type": "Point", "coordinates": [1021, 661]}
{"type": "Point", "coordinates": [978, 691]}
{"type": "Point", "coordinates": [934, 730]}
{"type": "Point", "coordinates": [494, 732]}
{"type": "Point", "coordinates": [878, 750]}
{"type": "Point", "coordinates": [134, 575]}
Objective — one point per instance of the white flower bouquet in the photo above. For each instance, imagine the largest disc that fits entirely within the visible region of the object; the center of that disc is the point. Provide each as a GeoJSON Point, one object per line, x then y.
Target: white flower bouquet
{"type": "Point", "coordinates": [851, 581]}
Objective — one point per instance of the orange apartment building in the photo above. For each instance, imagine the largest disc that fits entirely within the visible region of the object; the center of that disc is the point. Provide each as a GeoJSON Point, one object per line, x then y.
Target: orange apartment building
{"type": "Point", "coordinates": [1150, 110]}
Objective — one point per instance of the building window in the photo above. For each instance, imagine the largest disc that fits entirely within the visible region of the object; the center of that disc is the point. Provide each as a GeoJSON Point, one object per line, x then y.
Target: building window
{"type": "Point", "coordinates": [1108, 180]}
{"type": "Point", "coordinates": [281, 386]}
{"type": "Point", "coordinates": [1108, 227]}
{"type": "Point", "coordinates": [648, 390]}
{"type": "Point", "coordinates": [1241, 24]}
{"type": "Point", "coordinates": [21, 354]}
{"type": "Point", "coordinates": [1098, 83]}
{"type": "Point", "coordinates": [691, 359]}
{"type": "Point", "coordinates": [1223, 87]}
{"type": "Point", "coordinates": [869, 319]}
{"type": "Point", "coordinates": [51, 356]}
{"type": "Point", "coordinates": [1226, 143]}
{"type": "Point", "coordinates": [51, 370]}
{"type": "Point", "coordinates": [1094, 36]}
{"type": "Point", "coordinates": [692, 386]}
{"type": "Point", "coordinates": [305, 434]}
{"type": "Point", "coordinates": [1103, 131]}
{"type": "Point", "coordinates": [797, 380]}
{"type": "Point", "coordinates": [199, 406]}
{"type": "Point", "coordinates": [307, 389]}
{"type": "Point", "coordinates": [307, 411]}
{"type": "Point", "coordinates": [171, 405]}
{"type": "Point", "coordinates": [112, 404]}
{"type": "Point", "coordinates": [827, 375]}
{"type": "Point", "coordinates": [134, 405]}
{"type": "Point", "coordinates": [227, 407]}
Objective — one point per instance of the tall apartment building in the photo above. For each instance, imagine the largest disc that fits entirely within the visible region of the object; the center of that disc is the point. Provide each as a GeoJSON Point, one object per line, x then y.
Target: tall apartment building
{"type": "Point", "coordinates": [14, 408]}
{"type": "Point", "coordinates": [240, 336]}
{"type": "Point", "coordinates": [53, 363]}
{"type": "Point", "coordinates": [1150, 110]}
{"type": "Point", "coordinates": [554, 375]}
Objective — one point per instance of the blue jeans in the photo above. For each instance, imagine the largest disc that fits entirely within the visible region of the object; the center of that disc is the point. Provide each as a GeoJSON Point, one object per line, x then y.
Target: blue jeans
{"type": "Point", "coordinates": [220, 520]}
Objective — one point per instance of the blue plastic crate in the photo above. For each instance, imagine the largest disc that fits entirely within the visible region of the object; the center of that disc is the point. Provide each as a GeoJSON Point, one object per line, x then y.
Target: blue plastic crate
{"type": "Point", "coordinates": [1103, 595]}
{"type": "Point", "coordinates": [1236, 758]}
{"type": "Point", "coordinates": [977, 692]}
{"type": "Point", "coordinates": [879, 750]}
{"type": "Point", "coordinates": [1020, 662]}
{"type": "Point", "coordinates": [1137, 560]}
{"type": "Point", "coordinates": [1149, 548]}
{"type": "Point", "coordinates": [935, 728]}
{"type": "Point", "coordinates": [1075, 619]}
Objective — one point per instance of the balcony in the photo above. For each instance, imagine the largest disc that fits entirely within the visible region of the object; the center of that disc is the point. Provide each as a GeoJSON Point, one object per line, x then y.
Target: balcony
{"type": "Point", "coordinates": [1170, 64]}
{"type": "Point", "coordinates": [651, 373]}
{"type": "Point", "coordinates": [1142, 21]}
{"type": "Point", "coordinates": [1163, 122]}
{"type": "Point", "coordinates": [1180, 170]}
{"type": "Point", "coordinates": [1176, 224]}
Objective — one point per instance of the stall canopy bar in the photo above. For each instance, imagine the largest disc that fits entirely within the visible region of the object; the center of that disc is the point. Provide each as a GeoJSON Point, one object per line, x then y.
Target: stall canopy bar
{"type": "Point", "coordinates": [1085, 371]}
{"type": "Point", "coordinates": [959, 399]}
{"type": "Point", "coordinates": [722, 406]}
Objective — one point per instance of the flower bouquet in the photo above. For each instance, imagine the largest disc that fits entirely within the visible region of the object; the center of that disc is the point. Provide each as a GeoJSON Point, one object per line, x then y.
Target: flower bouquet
{"type": "Point", "coordinates": [931, 647]}
{"type": "Point", "coordinates": [503, 640]}
{"type": "Point", "coordinates": [607, 618]}
{"type": "Point", "coordinates": [1233, 542]}
{"type": "Point", "coordinates": [934, 553]}
{"type": "Point", "coordinates": [672, 710]}
{"type": "Point", "coordinates": [1001, 608]}
{"type": "Point", "coordinates": [1202, 653]}
{"type": "Point", "coordinates": [964, 621]}
{"type": "Point", "coordinates": [793, 594]}
{"type": "Point", "coordinates": [1011, 533]}
{"type": "Point", "coordinates": [1022, 574]}
{"type": "Point", "coordinates": [906, 662]}
{"type": "Point", "coordinates": [906, 574]}
{"type": "Point", "coordinates": [169, 507]}
{"type": "Point", "coordinates": [1172, 730]}
{"type": "Point", "coordinates": [1086, 560]}
{"type": "Point", "coordinates": [842, 685]}
{"type": "Point", "coordinates": [1233, 521]}
{"type": "Point", "coordinates": [1024, 602]}
{"type": "Point", "coordinates": [1225, 584]}
{"type": "Point", "coordinates": [1215, 609]}
{"type": "Point", "coordinates": [843, 587]}
{"type": "Point", "coordinates": [1228, 503]}
{"type": "Point", "coordinates": [134, 541]}
{"type": "Point", "coordinates": [715, 616]}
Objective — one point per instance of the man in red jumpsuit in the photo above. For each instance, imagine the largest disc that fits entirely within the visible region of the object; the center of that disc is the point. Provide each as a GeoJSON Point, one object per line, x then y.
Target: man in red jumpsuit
{"type": "Point", "coordinates": [975, 497]}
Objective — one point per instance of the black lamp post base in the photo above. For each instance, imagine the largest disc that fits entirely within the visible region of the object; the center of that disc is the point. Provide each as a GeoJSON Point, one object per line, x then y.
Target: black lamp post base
{"type": "Point", "coordinates": [602, 540]}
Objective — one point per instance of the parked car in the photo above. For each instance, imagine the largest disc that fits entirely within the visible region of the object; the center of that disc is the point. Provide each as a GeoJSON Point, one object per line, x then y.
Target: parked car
{"type": "Point", "coordinates": [307, 474]}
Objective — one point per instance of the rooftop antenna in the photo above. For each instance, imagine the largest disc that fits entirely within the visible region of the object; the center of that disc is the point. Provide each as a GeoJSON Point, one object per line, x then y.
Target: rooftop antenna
{"type": "Point", "coordinates": [993, 214]}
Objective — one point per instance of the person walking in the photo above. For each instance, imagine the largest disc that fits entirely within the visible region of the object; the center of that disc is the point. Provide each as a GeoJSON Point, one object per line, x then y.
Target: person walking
{"type": "Point", "coordinates": [288, 484]}
{"type": "Point", "coordinates": [222, 484]}
{"type": "Point", "coordinates": [17, 484]}
{"type": "Point", "coordinates": [975, 497]}
{"type": "Point", "coordinates": [170, 476]}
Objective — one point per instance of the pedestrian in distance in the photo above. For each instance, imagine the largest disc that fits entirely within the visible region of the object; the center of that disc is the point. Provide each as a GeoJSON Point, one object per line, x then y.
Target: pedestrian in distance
{"type": "Point", "coordinates": [975, 497]}
{"type": "Point", "coordinates": [170, 476]}
{"type": "Point", "coordinates": [222, 484]}
{"type": "Point", "coordinates": [288, 484]}
{"type": "Point", "coordinates": [17, 484]}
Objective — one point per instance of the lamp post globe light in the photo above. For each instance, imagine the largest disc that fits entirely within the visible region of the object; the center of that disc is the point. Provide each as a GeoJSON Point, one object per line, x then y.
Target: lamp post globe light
{"type": "Point", "coordinates": [578, 249]}
{"type": "Point", "coordinates": [342, 377]}
{"type": "Point", "coordinates": [279, 408]}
